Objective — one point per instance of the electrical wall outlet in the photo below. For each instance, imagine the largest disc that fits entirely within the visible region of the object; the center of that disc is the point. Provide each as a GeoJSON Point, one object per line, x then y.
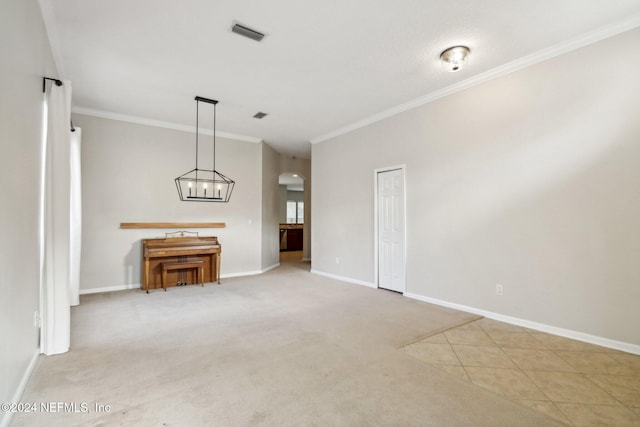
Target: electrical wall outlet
{"type": "Point", "coordinates": [36, 319]}
{"type": "Point", "coordinates": [499, 289]}
{"type": "Point", "coordinates": [337, 260]}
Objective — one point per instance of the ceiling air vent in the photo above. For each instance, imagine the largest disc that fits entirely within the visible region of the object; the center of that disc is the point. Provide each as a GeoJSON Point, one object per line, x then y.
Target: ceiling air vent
{"type": "Point", "coordinates": [247, 32]}
{"type": "Point", "coordinates": [259, 115]}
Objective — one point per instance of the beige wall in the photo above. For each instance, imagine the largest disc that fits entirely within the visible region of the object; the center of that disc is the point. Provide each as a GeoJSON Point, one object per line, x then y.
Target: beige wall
{"type": "Point", "coordinates": [529, 180]}
{"type": "Point", "coordinates": [294, 195]}
{"type": "Point", "coordinates": [128, 173]}
{"type": "Point", "coordinates": [270, 207]}
{"type": "Point", "coordinates": [26, 58]}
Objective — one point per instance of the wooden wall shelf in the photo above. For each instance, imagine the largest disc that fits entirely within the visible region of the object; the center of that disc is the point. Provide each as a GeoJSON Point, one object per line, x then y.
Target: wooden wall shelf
{"type": "Point", "coordinates": [172, 225]}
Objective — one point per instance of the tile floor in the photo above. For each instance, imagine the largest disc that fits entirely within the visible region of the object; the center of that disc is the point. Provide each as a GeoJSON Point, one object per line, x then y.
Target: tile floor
{"type": "Point", "coordinates": [577, 383]}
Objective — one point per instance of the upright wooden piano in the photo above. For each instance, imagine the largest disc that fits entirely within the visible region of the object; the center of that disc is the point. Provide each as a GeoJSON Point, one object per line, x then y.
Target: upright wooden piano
{"type": "Point", "coordinates": [171, 250]}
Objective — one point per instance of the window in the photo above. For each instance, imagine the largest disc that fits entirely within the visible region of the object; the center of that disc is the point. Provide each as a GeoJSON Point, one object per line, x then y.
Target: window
{"type": "Point", "coordinates": [300, 213]}
{"type": "Point", "coordinates": [295, 212]}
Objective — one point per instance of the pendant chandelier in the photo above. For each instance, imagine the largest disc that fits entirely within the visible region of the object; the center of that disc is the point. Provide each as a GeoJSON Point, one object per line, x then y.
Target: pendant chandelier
{"type": "Point", "coordinates": [204, 185]}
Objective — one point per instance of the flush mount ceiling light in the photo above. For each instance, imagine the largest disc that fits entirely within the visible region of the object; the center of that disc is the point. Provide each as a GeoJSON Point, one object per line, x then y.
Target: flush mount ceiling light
{"type": "Point", "coordinates": [455, 57]}
{"type": "Point", "coordinates": [203, 185]}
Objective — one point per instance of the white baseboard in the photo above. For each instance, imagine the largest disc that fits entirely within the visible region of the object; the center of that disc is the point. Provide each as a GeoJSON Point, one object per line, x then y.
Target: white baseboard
{"type": "Point", "coordinates": [110, 289]}
{"type": "Point", "coordinates": [250, 273]}
{"type": "Point", "coordinates": [344, 279]}
{"type": "Point", "coordinates": [137, 285]}
{"type": "Point", "coordinates": [276, 265]}
{"type": "Point", "coordinates": [567, 333]}
{"type": "Point", "coordinates": [306, 259]}
{"type": "Point", "coordinates": [17, 396]}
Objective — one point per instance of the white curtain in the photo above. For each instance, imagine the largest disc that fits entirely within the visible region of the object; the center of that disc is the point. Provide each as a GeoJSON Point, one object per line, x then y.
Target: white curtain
{"type": "Point", "coordinates": [58, 235]}
{"type": "Point", "coordinates": [76, 218]}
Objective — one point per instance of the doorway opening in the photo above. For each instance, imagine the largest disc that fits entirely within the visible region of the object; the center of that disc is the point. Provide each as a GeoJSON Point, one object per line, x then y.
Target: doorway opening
{"type": "Point", "coordinates": [291, 214]}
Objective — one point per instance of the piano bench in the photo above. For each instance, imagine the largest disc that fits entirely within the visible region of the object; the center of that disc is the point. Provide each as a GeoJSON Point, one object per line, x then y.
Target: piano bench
{"type": "Point", "coordinates": [196, 264]}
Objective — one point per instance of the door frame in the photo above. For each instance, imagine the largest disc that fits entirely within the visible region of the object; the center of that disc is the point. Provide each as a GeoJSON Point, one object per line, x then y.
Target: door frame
{"type": "Point", "coordinates": [376, 243]}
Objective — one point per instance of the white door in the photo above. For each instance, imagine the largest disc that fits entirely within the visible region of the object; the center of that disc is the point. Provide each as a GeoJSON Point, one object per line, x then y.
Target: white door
{"type": "Point", "coordinates": [391, 230]}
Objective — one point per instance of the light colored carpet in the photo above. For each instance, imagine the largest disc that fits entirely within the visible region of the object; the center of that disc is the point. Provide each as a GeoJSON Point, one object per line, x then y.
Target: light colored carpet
{"type": "Point", "coordinates": [283, 348]}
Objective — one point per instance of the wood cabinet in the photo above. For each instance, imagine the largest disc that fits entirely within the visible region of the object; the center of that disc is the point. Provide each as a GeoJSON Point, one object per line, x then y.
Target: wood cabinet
{"type": "Point", "coordinates": [291, 237]}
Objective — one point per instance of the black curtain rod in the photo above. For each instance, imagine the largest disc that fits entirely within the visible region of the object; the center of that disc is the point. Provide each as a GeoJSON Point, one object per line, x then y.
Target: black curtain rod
{"type": "Point", "coordinates": [58, 82]}
{"type": "Point", "coordinates": [44, 83]}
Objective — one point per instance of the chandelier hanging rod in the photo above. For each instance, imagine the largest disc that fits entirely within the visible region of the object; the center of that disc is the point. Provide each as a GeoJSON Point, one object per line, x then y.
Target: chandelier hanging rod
{"type": "Point", "coordinates": [209, 101]}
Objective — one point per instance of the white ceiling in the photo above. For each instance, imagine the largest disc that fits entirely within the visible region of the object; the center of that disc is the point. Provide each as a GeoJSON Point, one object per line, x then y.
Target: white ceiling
{"type": "Point", "coordinates": [323, 66]}
{"type": "Point", "coordinates": [292, 181]}
{"type": "Point", "coordinates": [289, 178]}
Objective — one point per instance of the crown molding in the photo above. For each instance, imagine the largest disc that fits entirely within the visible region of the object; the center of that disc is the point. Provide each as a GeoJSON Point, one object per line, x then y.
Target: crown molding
{"type": "Point", "coordinates": [161, 124]}
{"type": "Point", "coordinates": [510, 67]}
